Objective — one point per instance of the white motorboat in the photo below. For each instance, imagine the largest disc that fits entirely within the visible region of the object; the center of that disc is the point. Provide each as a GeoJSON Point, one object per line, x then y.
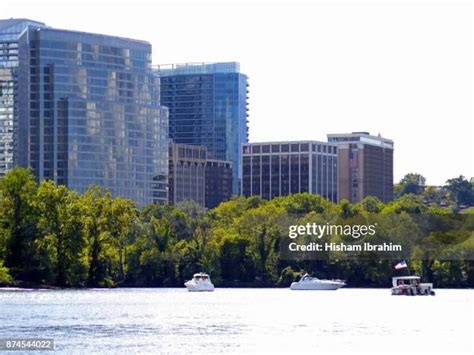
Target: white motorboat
{"type": "Point", "coordinates": [200, 282]}
{"type": "Point", "coordinates": [411, 286]}
{"type": "Point", "coordinates": [313, 283]}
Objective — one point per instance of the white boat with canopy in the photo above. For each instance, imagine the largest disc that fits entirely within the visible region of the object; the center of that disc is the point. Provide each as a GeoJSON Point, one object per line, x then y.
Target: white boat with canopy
{"type": "Point", "coordinates": [200, 282]}
{"type": "Point", "coordinates": [313, 283]}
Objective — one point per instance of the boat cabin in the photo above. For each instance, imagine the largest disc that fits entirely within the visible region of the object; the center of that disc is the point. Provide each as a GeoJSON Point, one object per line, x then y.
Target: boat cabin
{"type": "Point", "coordinates": [406, 281]}
{"type": "Point", "coordinates": [201, 277]}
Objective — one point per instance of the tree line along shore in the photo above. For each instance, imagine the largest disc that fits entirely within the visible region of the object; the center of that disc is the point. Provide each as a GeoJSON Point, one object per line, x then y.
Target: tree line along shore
{"type": "Point", "coordinates": [54, 237]}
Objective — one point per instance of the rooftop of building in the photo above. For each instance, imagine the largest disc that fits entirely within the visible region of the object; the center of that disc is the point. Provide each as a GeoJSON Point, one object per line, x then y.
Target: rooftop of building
{"type": "Point", "coordinates": [197, 68]}
{"type": "Point", "coordinates": [9, 23]}
{"type": "Point", "coordinates": [192, 151]}
{"type": "Point", "coordinates": [288, 142]}
{"type": "Point", "coordinates": [104, 38]}
{"type": "Point", "coordinates": [363, 137]}
{"type": "Point", "coordinates": [284, 147]}
{"type": "Point", "coordinates": [358, 134]}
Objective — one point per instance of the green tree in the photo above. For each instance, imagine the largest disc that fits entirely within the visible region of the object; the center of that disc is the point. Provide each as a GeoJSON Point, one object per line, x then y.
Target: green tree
{"type": "Point", "coordinates": [432, 195]}
{"type": "Point", "coordinates": [303, 203]}
{"type": "Point", "coordinates": [262, 227]}
{"type": "Point", "coordinates": [348, 210]}
{"type": "Point", "coordinates": [461, 190]}
{"type": "Point", "coordinates": [265, 245]}
{"type": "Point", "coordinates": [121, 218]}
{"type": "Point", "coordinates": [192, 209]}
{"type": "Point", "coordinates": [407, 203]}
{"type": "Point", "coordinates": [102, 254]}
{"type": "Point", "coordinates": [152, 259]}
{"type": "Point", "coordinates": [412, 183]}
{"type": "Point", "coordinates": [288, 275]}
{"type": "Point", "coordinates": [181, 222]}
{"type": "Point", "coordinates": [397, 190]}
{"type": "Point", "coordinates": [5, 277]}
{"type": "Point", "coordinates": [227, 212]}
{"type": "Point", "coordinates": [18, 219]}
{"type": "Point", "coordinates": [372, 204]}
{"type": "Point", "coordinates": [62, 240]}
{"type": "Point", "coordinates": [236, 260]}
{"type": "Point", "coordinates": [201, 253]}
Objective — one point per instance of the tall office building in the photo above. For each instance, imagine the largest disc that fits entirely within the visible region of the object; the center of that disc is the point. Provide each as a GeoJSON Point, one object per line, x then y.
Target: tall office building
{"type": "Point", "coordinates": [194, 175]}
{"type": "Point", "coordinates": [365, 166]}
{"type": "Point", "coordinates": [187, 173]}
{"type": "Point", "coordinates": [207, 106]}
{"type": "Point", "coordinates": [274, 169]}
{"type": "Point", "coordinates": [218, 182]}
{"type": "Point", "coordinates": [89, 113]}
{"type": "Point", "coordinates": [10, 31]}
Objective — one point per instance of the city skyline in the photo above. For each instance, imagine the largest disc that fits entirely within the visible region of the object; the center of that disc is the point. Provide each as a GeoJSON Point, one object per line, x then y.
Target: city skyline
{"type": "Point", "coordinates": [363, 63]}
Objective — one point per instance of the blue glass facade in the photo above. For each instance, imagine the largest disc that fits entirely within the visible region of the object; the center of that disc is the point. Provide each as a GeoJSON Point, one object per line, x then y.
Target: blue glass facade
{"type": "Point", "coordinates": [90, 113]}
{"type": "Point", "coordinates": [208, 106]}
{"type": "Point", "coordinates": [10, 31]}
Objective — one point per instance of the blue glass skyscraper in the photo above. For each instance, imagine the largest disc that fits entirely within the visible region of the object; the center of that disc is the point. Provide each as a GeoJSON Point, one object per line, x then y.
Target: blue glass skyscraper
{"type": "Point", "coordinates": [90, 114]}
{"type": "Point", "coordinates": [207, 105]}
{"type": "Point", "coordinates": [10, 31]}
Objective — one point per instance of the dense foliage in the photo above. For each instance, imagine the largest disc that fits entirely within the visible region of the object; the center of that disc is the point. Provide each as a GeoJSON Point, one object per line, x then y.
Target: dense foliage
{"type": "Point", "coordinates": [457, 194]}
{"type": "Point", "coordinates": [50, 235]}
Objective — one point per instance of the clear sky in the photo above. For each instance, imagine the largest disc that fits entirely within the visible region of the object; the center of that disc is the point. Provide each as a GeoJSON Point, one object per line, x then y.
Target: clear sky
{"type": "Point", "coordinates": [402, 68]}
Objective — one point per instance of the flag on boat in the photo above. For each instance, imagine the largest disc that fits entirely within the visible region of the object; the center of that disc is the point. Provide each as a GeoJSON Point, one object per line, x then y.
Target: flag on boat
{"type": "Point", "coordinates": [402, 264]}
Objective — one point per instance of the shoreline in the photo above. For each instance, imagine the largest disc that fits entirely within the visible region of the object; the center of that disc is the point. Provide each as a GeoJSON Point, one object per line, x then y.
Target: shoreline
{"type": "Point", "coordinates": [54, 288]}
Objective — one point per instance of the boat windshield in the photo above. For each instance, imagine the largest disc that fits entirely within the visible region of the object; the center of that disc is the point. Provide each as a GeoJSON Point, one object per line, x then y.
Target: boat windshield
{"type": "Point", "coordinates": [308, 278]}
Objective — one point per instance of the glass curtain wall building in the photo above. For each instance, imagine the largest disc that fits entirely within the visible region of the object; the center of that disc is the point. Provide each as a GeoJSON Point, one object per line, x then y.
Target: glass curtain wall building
{"type": "Point", "coordinates": [10, 31]}
{"type": "Point", "coordinates": [90, 113]}
{"type": "Point", "coordinates": [281, 168]}
{"type": "Point", "coordinates": [207, 106]}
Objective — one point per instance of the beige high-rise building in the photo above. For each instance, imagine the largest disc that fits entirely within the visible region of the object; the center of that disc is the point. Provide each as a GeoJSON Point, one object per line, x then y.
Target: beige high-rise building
{"type": "Point", "coordinates": [365, 165]}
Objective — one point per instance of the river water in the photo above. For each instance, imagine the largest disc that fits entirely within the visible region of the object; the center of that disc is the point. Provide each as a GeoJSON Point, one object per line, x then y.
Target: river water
{"type": "Point", "coordinates": [240, 320]}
